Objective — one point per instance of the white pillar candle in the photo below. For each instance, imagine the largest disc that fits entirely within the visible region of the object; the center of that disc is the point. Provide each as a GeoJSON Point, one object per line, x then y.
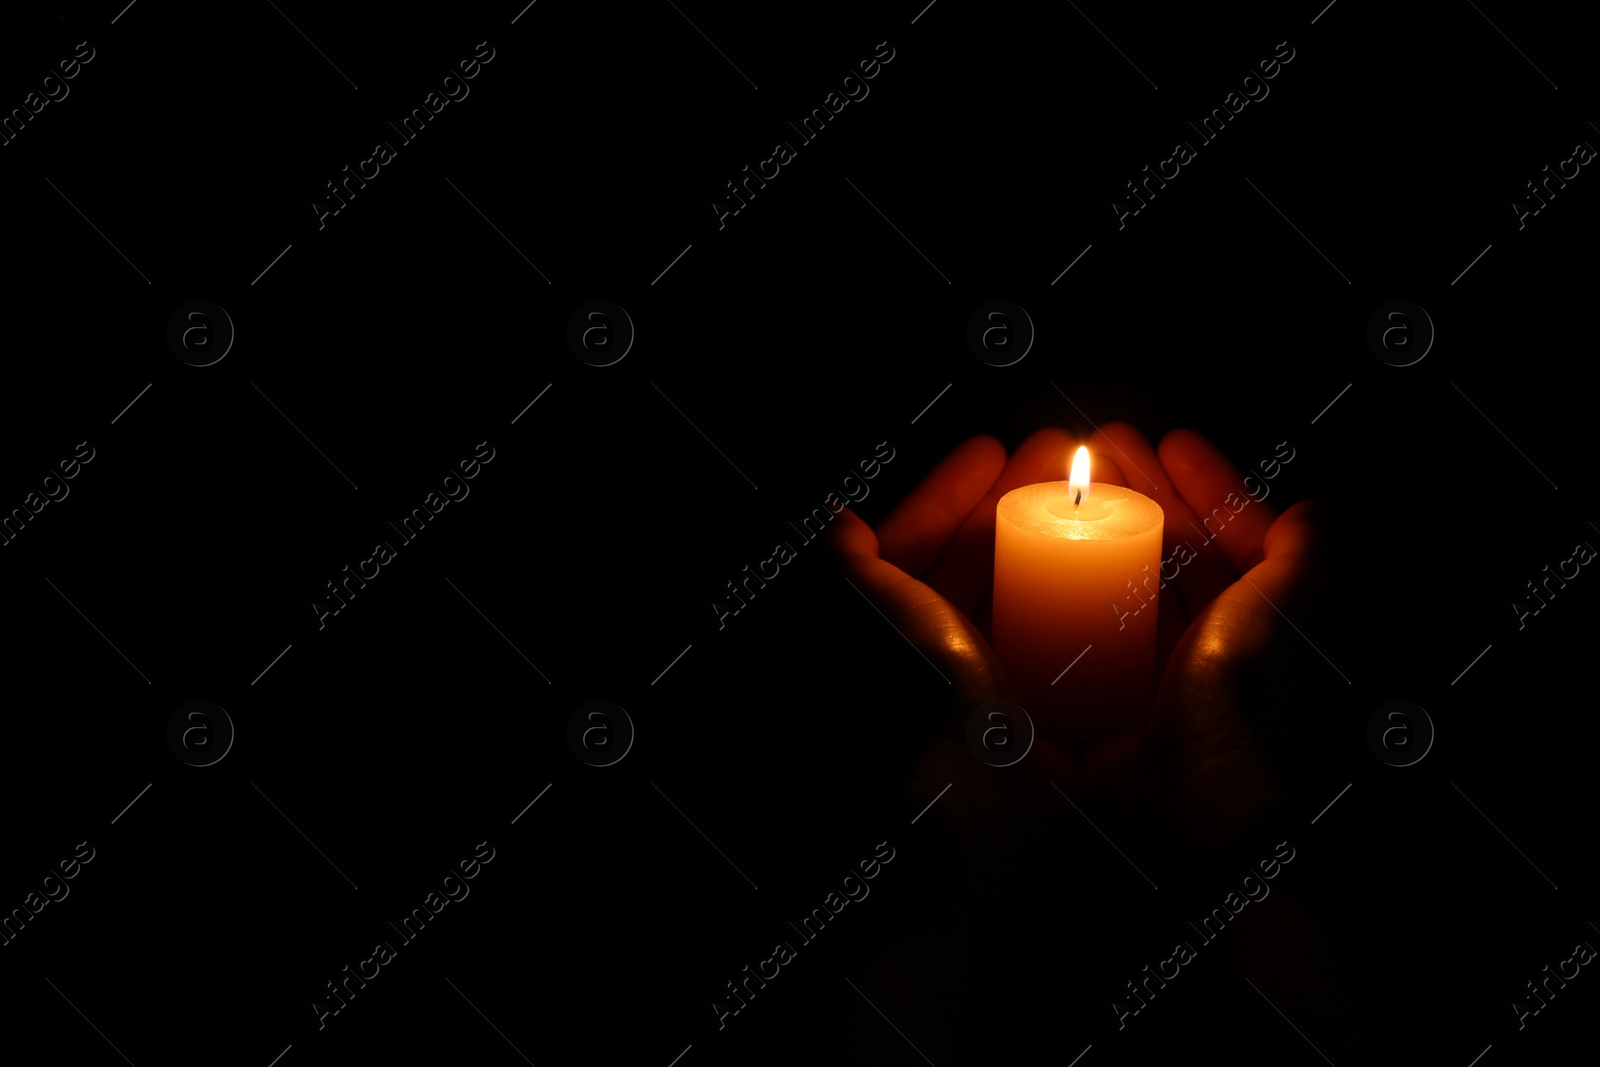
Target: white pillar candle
{"type": "Point", "coordinates": [1071, 563]}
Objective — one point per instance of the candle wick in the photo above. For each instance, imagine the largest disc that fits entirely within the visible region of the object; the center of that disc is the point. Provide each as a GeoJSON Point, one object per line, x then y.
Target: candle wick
{"type": "Point", "coordinates": [1078, 499]}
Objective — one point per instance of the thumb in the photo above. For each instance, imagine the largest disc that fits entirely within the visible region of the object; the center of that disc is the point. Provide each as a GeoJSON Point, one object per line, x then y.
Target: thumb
{"type": "Point", "coordinates": [1247, 702]}
{"type": "Point", "coordinates": [932, 625]}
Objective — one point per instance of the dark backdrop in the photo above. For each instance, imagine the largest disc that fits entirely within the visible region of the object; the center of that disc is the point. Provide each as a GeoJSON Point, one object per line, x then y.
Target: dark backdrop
{"type": "Point", "coordinates": [771, 352]}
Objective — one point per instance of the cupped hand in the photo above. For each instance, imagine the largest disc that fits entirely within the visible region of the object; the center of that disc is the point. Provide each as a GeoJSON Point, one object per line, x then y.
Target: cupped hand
{"type": "Point", "coordinates": [1199, 772]}
{"type": "Point", "coordinates": [929, 567]}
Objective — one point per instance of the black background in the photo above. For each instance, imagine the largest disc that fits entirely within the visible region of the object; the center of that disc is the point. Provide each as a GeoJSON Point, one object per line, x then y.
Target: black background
{"type": "Point", "coordinates": [797, 337]}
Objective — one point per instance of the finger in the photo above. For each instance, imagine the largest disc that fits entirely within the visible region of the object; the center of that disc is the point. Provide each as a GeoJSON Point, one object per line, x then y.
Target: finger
{"type": "Point", "coordinates": [1114, 441]}
{"type": "Point", "coordinates": [965, 571]}
{"type": "Point", "coordinates": [1103, 468]}
{"type": "Point", "coordinates": [930, 623]}
{"type": "Point", "coordinates": [1213, 488]}
{"type": "Point", "coordinates": [1202, 570]}
{"type": "Point", "coordinates": [919, 527]}
{"type": "Point", "coordinates": [1287, 577]}
{"type": "Point", "coordinates": [1196, 722]}
{"type": "Point", "coordinates": [849, 536]}
{"type": "Point", "coordinates": [1297, 535]}
{"type": "Point", "coordinates": [1272, 586]}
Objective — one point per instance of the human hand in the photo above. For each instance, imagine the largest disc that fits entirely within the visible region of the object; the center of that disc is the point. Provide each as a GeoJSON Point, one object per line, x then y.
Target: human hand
{"type": "Point", "coordinates": [1192, 772]}
{"type": "Point", "coordinates": [930, 568]}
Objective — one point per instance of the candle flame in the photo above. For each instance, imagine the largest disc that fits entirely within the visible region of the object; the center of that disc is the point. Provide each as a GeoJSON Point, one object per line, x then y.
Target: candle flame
{"type": "Point", "coordinates": [1078, 479]}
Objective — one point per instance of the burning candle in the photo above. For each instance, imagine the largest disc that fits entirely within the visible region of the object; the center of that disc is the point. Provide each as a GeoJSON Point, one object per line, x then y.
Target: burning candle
{"type": "Point", "coordinates": [1075, 566]}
